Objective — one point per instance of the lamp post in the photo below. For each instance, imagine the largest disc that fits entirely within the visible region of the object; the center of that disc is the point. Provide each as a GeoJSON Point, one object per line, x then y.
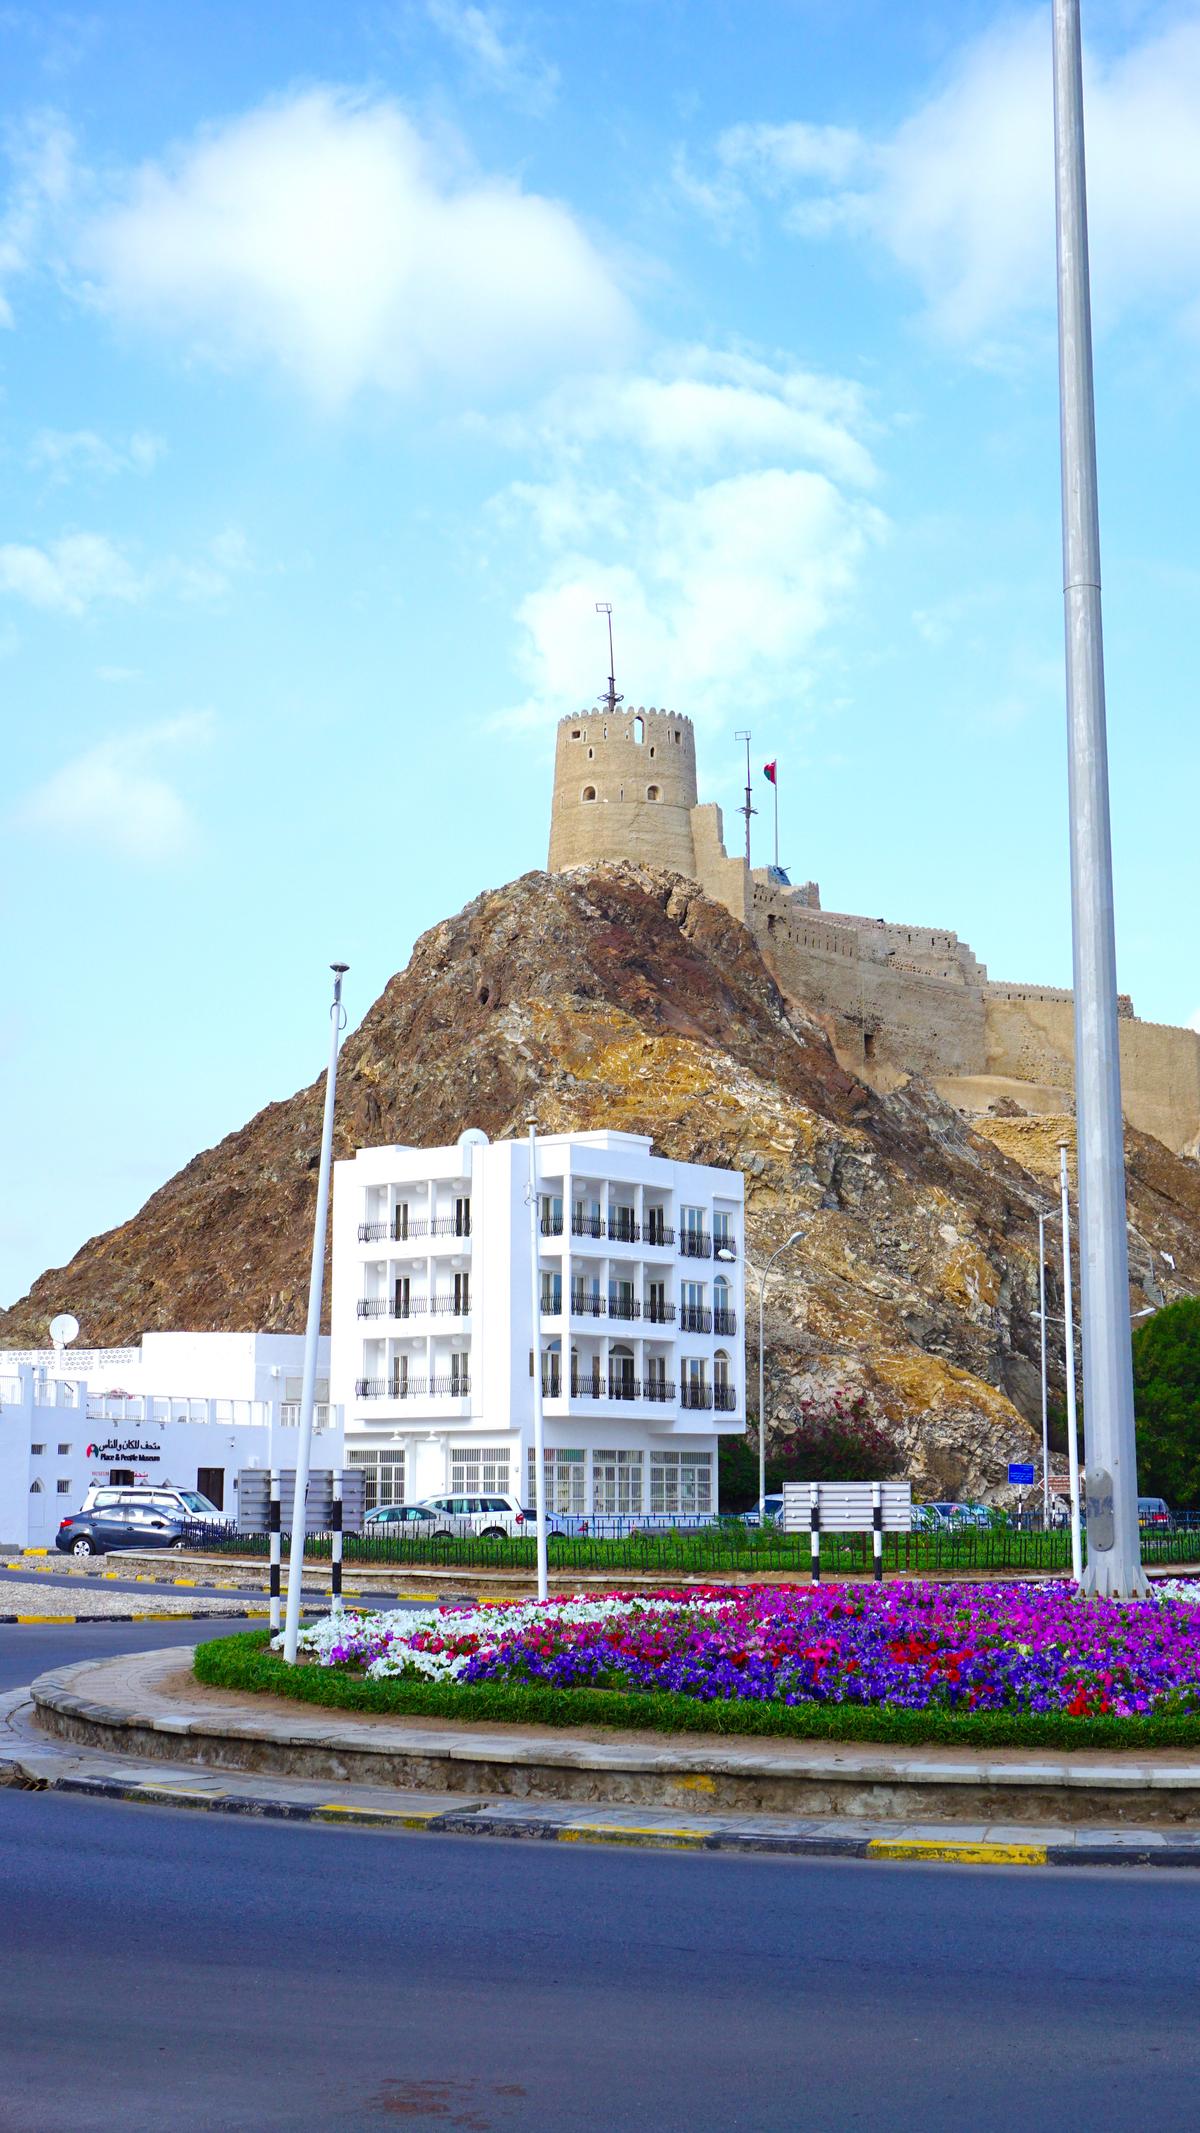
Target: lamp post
{"type": "Point", "coordinates": [1114, 1550]}
{"type": "Point", "coordinates": [795, 1238]}
{"type": "Point", "coordinates": [1069, 1337]}
{"type": "Point", "coordinates": [539, 1432]}
{"type": "Point", "coordinates": [312, 1330]}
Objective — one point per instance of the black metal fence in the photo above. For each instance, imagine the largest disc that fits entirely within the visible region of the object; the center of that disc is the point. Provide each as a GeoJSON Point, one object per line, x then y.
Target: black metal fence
{"type": "Point", "coordinates": [729, 1546]}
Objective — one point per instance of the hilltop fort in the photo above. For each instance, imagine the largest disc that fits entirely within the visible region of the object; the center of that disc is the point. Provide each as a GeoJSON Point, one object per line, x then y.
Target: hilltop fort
{"type": "Point", "coordinates": [894, 998]}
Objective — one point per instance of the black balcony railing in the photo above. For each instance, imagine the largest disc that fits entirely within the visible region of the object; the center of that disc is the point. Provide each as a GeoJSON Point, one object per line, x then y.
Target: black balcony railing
{"type": "Point", "coordinates": [374, 1306]}
{"type": "Point", "coordinates": [393, 1307]}
{"type": "Point", "coordinates": [372, 1232]}
{"type": "Point", "coordinates": [586, 1225]}
{"type": "Point", "coordinates": [552, 1303]}
{"type": "Point", "coordinates": [724, 1321]}
{"type": "Point", "coordinates": [656, 1231]}
{"type": "Point", "coordinates": [390, 1388]}
{"type": "Point", "coordinates": [552, 1384]}
{"type": "Point", "coordinates": [695, 1244]}
{"type": "Point", "coordinates": [658, 1312]}
{"type": "Point", "coordinates": [446, 1226]}
{"type": "Point", "coordinates": [662, 1389]}
{"type": "Point", "coordinates": [584, 1387]}
{"type": "Point", "coordinates": [724, 1399]}
{"type": "Point", "coordinates": [455, 1388]}
{"type": "Point", "coordinates": [585, 1305]}
{"type": "Point", "coordinates": [621, 1387]}
{"type": "Point", "coordinates": [551, 1225]}
{"type": "Point", "coordinates": [624, 1307]}
{"type": "Point", "coordinates": [623, 1229]}
{"type": "Point", "coordinates": [693, 1394]}
{"type": "Point", "coordinates": [450, 1306]}
{"type": "Point", "coordinates": [724, 1245]}
{"type": "Point", "coordinates": [695, 1318]}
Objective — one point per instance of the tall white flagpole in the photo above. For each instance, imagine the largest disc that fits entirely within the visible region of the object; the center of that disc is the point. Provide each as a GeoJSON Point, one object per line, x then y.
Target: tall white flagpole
{"type": "Point", "coordinates": [1114, 1552]}
{"type": "Point", "coordinates": [312, 1330]}
{"type": "Point", "coordinates": [539, 1432]}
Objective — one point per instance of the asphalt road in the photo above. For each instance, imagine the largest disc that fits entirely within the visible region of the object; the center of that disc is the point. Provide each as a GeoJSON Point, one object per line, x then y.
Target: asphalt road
{"type": "Point", "coordinates": [204, 1974]}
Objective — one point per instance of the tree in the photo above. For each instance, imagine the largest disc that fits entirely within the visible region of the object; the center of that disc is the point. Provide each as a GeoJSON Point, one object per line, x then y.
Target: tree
{"type": "Point", "coordinates": [1166, 1395]}
{"type": "Point", "coordinates": [837, 1439]}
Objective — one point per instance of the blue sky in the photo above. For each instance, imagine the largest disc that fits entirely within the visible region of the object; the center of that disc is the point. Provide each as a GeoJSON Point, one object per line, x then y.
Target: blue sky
{"type": "Point", "coordinates": [347, 357]}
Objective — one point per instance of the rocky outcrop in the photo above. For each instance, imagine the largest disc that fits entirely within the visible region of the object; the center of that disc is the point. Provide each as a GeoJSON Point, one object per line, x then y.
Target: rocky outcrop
{"type": "Point", "coordinates": [620, 995]}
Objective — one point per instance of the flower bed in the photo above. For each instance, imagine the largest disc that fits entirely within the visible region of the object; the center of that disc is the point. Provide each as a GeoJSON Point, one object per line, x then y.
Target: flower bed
{"type": "Point", "coordinates": [1036, 1651]}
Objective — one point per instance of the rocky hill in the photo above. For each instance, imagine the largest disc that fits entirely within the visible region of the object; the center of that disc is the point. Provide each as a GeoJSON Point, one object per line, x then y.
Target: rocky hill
{"type": "Point", "coordinates": [619, 995]}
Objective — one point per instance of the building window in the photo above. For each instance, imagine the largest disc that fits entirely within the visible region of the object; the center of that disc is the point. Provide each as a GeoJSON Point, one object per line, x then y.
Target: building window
{"type": "Point", "coordinates": [564, 1475]}
{"type": "Point", "coordinates": [589, 792]}
{"type": "Point", "coordinates": [35, 1488]}
{"type": "Point", "coordinates": [479, 1470]}
{"type": "Point", "coordinates": [551, 1295]}
{"type": "Point", "coordinates": [681, 1484]}
{"type": "Point", "coordinates": [652, 792]}
{"type": "Point", "coordinates": [382, 1470]}
{"type": "Point", "coordinates": [38, 1451]}
{"type": "Point", "coordinates": [64, 1488]}
{"type": "Point", "coordinates": [617, 1484]}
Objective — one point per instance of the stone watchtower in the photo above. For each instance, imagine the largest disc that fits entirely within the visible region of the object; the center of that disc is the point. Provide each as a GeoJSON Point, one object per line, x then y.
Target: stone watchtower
{"type": "Point", "coordinates": [624, 788]}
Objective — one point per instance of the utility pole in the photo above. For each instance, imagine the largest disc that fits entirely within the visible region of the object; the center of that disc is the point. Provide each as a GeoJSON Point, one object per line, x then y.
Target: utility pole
{"type": "Point", "coordinates": [1114, 1549]}
{"type": "Point", "coordinates": [312, 1331]}
{"type": "Point", "coordinates": [748, 808]}
{"type": "Point", "coordinates": [610, 697]}
{"type": "Point", "coordinates": [539, 1430]}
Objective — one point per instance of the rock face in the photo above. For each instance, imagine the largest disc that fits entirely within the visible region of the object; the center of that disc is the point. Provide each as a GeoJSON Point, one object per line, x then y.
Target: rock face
{"type": "Point", "coordinates": [621, 996]}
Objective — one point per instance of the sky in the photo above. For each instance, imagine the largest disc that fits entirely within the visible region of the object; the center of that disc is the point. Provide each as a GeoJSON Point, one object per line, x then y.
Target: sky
{"type": "Point", "coordinates": [349, 356]}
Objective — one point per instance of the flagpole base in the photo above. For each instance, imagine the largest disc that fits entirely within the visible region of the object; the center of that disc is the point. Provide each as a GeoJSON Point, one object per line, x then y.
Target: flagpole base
{"type": "Point", "coordinates": [1105, 1578]}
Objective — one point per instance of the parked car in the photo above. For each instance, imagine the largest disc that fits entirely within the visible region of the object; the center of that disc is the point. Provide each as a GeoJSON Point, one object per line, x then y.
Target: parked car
{"type": "Point", "coordinates": [485, 1518]}
{"type": "Point", "coordinates": [407, 1521]}
{"type": "Point", "coordinates": [940, 1517]}
{"type": "Point", "coordinates": [972, 1514]}
{"type": "Point", "coordinates": [185, 1504]}
{"type": "Point", "coordinates": [1153, 1511]}
{"type": "Point", "coordinates": [768, 1510]}
{"type": "Point", "coordinates": [119, 1526]}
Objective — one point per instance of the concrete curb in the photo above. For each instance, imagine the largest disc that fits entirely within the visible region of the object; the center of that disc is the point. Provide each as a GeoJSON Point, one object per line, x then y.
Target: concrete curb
{"type": "Point", "coordinates": [198, 1614]}
{"type": "Point", "coordinates": [121, 1707]}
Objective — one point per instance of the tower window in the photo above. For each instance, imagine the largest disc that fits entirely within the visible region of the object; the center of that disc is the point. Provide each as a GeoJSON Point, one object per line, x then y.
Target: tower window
{"type": "Point", "coordinates": [639, 729]}
{"type": "Point", "coordinates": [652, 749]}
{"type": "Point", "coordinates": [652, 792]}
{"type": "Point", "coordinates": [591, 753]}
{"type": "Point", "coordinates": [589, 792]}
{"type": "Point", "coordinates": [576, 735]}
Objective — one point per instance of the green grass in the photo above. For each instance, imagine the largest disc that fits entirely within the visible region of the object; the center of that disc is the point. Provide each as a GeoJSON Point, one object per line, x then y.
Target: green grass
{"type": "Point", "coordinates": [243, 1662]}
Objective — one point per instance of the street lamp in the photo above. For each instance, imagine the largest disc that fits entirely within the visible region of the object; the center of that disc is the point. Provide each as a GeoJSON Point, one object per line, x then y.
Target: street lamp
{"type": "Point", "coordinates": [795, 1238]}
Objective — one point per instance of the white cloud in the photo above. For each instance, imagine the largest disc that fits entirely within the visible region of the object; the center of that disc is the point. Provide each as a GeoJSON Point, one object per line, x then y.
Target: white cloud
{"type": "Point", "coordinates": [961, 194]}
{"type": "Point", "coordinates": [324, 234]}
{"type": "Point", "coordinates": [69, 574]}
{"type": "Point", "coordinates": [122, 792]}
{"type": "Point", "coordinates": [1194, 1020]}
{"type": "Point", "coordinates": [503, 62]}
{"type": "Point", "coordinates": [40, 155]}
{"type": "Point", "coordinates": [65, 453]}
{"type": "Point", "coordinates": [719, 508]}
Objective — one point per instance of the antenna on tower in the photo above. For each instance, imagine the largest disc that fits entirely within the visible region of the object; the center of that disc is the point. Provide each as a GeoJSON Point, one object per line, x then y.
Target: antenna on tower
{"type": "Point", "coordinates": [748, 808]}
{"type": "Point", "coordinates": [610, 697]}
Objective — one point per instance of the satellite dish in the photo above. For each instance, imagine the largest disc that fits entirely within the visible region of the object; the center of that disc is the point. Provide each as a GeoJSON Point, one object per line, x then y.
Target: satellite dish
{"type": "Point", "coordinates": [63, 1329]}
{"type": "Point", "coordinates": [474, 1137]}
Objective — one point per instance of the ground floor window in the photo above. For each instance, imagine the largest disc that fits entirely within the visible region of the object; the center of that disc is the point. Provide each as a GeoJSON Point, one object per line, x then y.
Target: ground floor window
{"type": "Point", "coordinates": [617, 1484]}
{"type": "Point", "coordinates": [681, 1482]}
{"type": "Point", "coordinates": [382, 1470]}
{"type": "Point", "coordinates": [565, 1482]}
{"type": "Point", "coordinates": [479, 1469]}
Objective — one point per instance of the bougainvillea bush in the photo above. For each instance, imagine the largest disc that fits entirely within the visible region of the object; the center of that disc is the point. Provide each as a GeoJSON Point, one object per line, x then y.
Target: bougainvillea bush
{"type": "Point", "coordinates": [921, 1647]}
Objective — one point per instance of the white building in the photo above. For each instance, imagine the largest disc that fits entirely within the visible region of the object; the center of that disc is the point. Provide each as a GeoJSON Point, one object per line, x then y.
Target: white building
{"type": "Point", "coordinates": [187, 1408]}
{"type": "Point", "coordinates": [640, 1273]}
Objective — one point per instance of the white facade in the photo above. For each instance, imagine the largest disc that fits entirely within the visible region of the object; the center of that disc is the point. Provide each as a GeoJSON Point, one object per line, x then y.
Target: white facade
{"type": "Point", "coordinates": [640, 1272]}
{"type": "Point", "coordinates": [187, 1408]}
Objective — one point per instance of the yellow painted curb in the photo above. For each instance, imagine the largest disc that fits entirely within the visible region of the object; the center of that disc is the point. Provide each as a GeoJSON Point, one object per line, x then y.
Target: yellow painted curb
{"type": "Point", "coordinates": [605, 1833]}
{"type": "Point", "coordinates": [48, 1618]}
{"type": "Point", "coordinates": [35, 1551]}
{"type": "Point", "coordinates": [962, 1854]}
{"type": "Point", "coordinates": [408, 1817]}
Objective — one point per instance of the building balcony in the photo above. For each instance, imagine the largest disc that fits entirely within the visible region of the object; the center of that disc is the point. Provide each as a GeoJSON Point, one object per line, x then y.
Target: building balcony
{"type": "Point", "coordinates": [551, 1225]}
{"type": "Point", "coordinates": [624, 1388]}
{"type": "Point", "coordinates": [656, 1231]}
{"type": "Point", "coordinates": [626, 1307]}
{"type": "Point", "coordinates": [657, 1313]}
{"type": "Point", "coordinates": [396, 1232]}
{"type": "Point", "coordinates": [623, 1229]}
{"type": "Point", "coordinates": [393, 1307]}
{"type": "Point", "coordinates": [585, 1387]}
{"type": "Point", "coordinates": [587, 1225]}
{"type": "Point", "coordinates": [692, 1394]}
{"type": "Point", "coordinates": [449, 1307]}
{"type": "Point", "coordinates": [585, 1305]}
{"type": "Point", "coordinates": [725, 1399]}
{"type": "Point", "coordinates": [695, 1318]}
{"type": "Point", "coordinates": [725, 1322]}
{"type": "Point", "coordinates": [695, 1244]}
{"type": "Point", "coordinates": [724, 1245]}
{"type": "Point", "coordinates": [411, 1388]}
{"type": "Point", "coordinates": [661, 1389]}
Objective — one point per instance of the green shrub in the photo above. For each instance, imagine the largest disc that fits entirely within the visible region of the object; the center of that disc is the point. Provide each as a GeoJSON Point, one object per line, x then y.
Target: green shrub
{"type": "Point", "coordinates": [1166, 1392]}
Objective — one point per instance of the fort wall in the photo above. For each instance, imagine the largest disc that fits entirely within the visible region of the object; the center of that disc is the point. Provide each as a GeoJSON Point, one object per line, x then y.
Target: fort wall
{"type": "Point", "coordinates": [895, 998]}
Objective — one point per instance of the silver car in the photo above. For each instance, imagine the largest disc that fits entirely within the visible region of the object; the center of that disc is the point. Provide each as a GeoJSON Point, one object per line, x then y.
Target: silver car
{"type": "Point", "coordinates": [484, 1518]}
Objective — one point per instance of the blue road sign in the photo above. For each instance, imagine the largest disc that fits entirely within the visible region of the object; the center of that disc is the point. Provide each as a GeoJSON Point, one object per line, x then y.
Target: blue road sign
{"type": "Point", "coordinates": [1020, 1476]}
